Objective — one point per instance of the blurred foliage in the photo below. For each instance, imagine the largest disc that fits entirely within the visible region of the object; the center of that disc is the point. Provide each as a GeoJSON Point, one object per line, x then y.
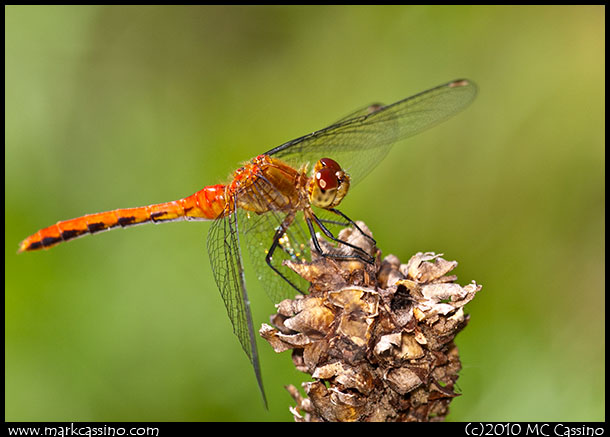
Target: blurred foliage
{"type": "Point", "coordinates": [111, 107]}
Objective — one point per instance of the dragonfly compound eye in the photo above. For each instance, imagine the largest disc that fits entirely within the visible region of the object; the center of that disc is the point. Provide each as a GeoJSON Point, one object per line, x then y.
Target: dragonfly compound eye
{"type": "Point", "coordinates": [330, 164]}
{"type": "Point", "coordinates": [329, 184]}
{"type": "Point", "coordinates": [327, 179]}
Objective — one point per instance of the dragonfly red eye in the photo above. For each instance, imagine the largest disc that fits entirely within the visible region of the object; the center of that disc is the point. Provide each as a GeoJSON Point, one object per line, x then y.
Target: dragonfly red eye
{"type": "Point", "coordinates": [330, 164]}
{"type": "Point", "coordinates": [326, 179]}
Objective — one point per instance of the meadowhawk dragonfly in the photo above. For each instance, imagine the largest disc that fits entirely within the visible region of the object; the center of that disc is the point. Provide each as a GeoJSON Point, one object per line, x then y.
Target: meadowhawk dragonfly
{"type": "Point", "coordinates": [275, 202]}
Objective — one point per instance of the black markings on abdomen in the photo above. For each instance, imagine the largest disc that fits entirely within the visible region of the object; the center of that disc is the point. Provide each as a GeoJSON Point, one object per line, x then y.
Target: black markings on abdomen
{"type": "Point", "coordinates": [71, 233]}
{"type": "Point", "coordinates": [50, 241]}
{"type": "Point", "coordinates": [155, 216]}
{"type": "Point", "coordinates": [126, 221]}
{"type": "Point", "coordinates": [96, 227]}
{"type": "Point", "coordinates": [35, 245]}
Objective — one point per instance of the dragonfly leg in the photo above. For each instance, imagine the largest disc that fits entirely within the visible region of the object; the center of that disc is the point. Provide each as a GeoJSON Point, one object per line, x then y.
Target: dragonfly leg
{"type": "Point", "coordinates": [351, 222]}
{"type": "Point", "coordinates": [333, 222]}
{"type": "Point", "coordinates": [360, 253]}
{"type": "Point", "coordinates": [276, 242]}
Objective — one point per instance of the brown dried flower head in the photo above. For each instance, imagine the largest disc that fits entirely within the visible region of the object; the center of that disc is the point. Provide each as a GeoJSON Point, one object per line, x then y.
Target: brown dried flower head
{"type": "Point", "coordinates": [376, 338]}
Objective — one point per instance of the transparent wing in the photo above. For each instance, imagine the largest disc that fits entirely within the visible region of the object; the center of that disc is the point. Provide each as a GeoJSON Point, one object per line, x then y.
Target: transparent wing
{"type": "Point", "coordinates": [365, 110]}
{"type": "Point", "coordinates": [259, 231]}
{"type": "Point", "coordinates": [294, 246]}
{"type": "Point", "coordinates": [227, 266]}
{"type": "Point", "coordinates": [359, 143]}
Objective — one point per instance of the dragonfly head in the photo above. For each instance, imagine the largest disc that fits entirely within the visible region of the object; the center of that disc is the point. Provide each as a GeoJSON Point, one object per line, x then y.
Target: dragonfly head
{"type": "Point", "coordinates": [329, 184]}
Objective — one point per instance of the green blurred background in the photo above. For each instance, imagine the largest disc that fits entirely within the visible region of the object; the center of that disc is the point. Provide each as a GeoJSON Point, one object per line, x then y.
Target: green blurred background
{"type": "Point", "coordinates": [110, 107]}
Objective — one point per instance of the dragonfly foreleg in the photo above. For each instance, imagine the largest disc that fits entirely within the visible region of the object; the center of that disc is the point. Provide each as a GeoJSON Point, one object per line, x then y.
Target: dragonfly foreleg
{"type": "Point", "coordinates": [333, 222]}
{"type": "Point", "coordinates": [359, 254]}
{"type": "Point", "coordinates": [353, 223]}
{"type": "Point", "coordinates": [279, 233]}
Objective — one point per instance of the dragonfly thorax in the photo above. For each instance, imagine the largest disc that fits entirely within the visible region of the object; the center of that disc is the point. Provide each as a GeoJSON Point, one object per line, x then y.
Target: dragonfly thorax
{"type": "Point", "coordinates": [329, 184]}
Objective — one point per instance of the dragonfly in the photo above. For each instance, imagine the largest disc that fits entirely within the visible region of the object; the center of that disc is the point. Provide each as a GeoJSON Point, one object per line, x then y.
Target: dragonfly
{"type": "Point", "coordinates": [283, 202]}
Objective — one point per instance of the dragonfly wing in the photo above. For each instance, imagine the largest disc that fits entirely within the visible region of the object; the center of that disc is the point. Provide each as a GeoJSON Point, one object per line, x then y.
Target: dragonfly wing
{"type": "Point", "coordinates": [359, 143]}
{"type": "Point", "coordinates": [368, 109]}
{"type": "Point", "coordinates": [294, 246]}
{"type": "Point", "coordinates": [227, 266]}
{"type": "Point", "coordinates": [259, 231]}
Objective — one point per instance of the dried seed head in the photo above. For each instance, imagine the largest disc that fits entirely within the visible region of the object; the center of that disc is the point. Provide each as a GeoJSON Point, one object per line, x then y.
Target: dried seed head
{"type": "Point", "coordinates": [377, 339]}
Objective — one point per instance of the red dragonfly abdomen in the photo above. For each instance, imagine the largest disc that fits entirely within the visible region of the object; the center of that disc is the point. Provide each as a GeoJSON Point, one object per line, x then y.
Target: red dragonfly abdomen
{"type": "Point", "coordinates": [206, 204]}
